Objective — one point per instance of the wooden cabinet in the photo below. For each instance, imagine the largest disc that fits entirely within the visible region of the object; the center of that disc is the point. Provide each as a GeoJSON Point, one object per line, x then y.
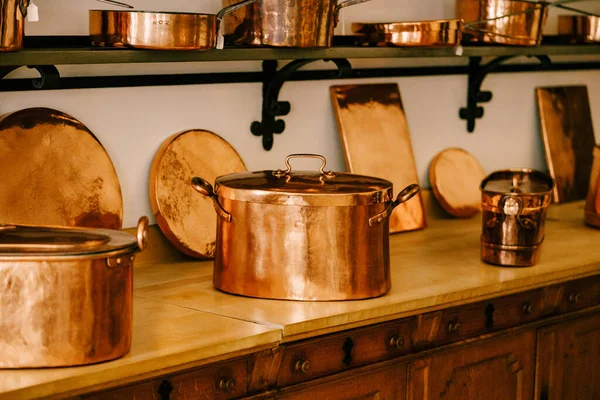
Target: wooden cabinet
{"type": "Point", "coordinates": [495, 369]}
{"type": "Point", "coordinates": [569, 360]}
{"type": "Point", "coordinates": [382, 383]}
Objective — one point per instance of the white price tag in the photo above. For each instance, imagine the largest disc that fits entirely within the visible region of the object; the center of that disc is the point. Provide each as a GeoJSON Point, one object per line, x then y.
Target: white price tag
{"type": "Point", "coordinates": [459, 50]}
{"type": "Point", "coordinates": [220, 38]}
{"type": "Point", "coordinates": [32, 13]}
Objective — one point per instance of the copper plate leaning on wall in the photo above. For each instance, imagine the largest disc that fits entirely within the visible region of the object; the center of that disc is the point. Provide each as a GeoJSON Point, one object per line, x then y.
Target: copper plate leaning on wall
{"type": "Point", "coordinates": [186, 219]}
{"type": "Point", "coordinates": [55, 172]}
{"type": "Point", "coordinates": [376, 141]}
{"type": "Point", "coordinates": [455, 176]}
{"type": "Point", "coordinates": [414, 33]}
{"type": "Point", "coordinates": [568, 134]}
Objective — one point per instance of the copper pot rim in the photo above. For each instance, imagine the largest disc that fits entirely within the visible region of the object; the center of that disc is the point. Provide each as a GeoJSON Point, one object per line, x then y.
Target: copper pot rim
{"type": "Point", "coordinates": [154, 12]}
{"type": "Point", "coordinates": [528, 171]}
{"type": "Point", "coordinates": [430, 25]}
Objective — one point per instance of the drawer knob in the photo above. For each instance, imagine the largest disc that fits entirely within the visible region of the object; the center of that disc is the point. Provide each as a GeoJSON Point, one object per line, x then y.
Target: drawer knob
{"type": "Point", "coordinates": [454, 327]}
{"type": "Point", "coordinates": [574, 298]}
{"type": "Point", "coordinates": [227, 384]}
{"type": "Point", "coordinates": [527, 308]}
{"type": "Point", "coordinates": [397, 342]}
{"type": "Point", "coordinates": [302, 365]}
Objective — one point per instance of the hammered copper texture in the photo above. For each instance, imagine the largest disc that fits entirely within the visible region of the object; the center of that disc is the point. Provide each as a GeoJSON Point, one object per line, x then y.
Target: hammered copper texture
{"type": "Point", "coordinates": [12, 24]}
{"type": "Point", "coordinates": [455, 176]}
{"type": "Point", "coordinates": [187, 219]}
{"type": "Point", "coordinates": [374, 132]}
{"type": "Point", "coordinates": [55, 172]}
{"type": "Point", "coordinates": [64, 313]}
{"type": "Point", "coordinates": [568, 135]}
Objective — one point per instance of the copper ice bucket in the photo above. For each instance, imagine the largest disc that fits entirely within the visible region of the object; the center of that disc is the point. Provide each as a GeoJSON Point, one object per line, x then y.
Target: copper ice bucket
{"type": "Point", "coordinates": [12, 22]}
{"type": "Point", "coordinates": [514, 204]}
{"type": "Point", "coordinates": [302, 235]}
{"type": "Point", "coordinates": [284, 23]}
{"type": "Point", "coordinates": [592, 202]}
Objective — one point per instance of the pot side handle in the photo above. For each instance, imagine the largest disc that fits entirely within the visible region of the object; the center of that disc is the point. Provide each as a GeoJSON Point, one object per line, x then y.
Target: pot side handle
{"type": "Point", "coordinates": [204, 188]}
{"type": "Point", "coordinates": [403, 197]}
{"type": "Point", "coordinates": [142, 232]}
{"type": "Point", "coordinates": [349, 3]}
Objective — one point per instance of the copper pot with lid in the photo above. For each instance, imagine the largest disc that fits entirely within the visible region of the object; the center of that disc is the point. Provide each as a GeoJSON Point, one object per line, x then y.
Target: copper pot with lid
{"type": "Point", "coordinates": [66, 294]}
{"type": "Point", "coordinates": [514, 204]}
{"type": "Point", "coordinates": [302, 235]}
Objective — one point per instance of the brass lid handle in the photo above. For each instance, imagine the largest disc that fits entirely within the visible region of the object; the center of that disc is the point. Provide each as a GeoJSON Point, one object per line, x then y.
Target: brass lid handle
{"type": "Point", "coordinates": [396, 342]}
{"type": "Point", "coordinates": [302, 365]}
{"type": "Point", "coordinates": [227, 384]}
{"type": "Point", "coordinates": [280, 173]}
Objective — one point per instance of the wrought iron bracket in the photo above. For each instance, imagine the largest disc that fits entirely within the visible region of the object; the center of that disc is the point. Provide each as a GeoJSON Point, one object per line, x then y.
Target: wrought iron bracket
{"type": "Point", "coordinates": [49, 75]}
{"type": "Point", "coordinates": [477, 73]}
{"type": "Point", "coordinates": [272, 107]}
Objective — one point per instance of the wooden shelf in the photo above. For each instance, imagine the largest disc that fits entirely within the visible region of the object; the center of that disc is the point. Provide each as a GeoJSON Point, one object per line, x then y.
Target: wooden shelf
{"type": "Point", "coordinates": [89, 55]}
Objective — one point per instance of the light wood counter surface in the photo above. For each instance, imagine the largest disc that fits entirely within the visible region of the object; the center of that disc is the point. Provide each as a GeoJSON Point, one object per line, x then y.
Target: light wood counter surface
{"type": "Point", "coordinates": [433, 268]}
{"type": "Point", "coordinates": [165, 338]}
{"type": "Point", "coordinates": [181, 321]}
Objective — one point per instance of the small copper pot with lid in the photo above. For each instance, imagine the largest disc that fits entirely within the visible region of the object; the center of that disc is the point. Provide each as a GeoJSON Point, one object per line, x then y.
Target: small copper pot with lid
{"type": "Point", "coordinates": [302, 235]}
{"type": "Point", "coordinates": [66, 294]}
{"type": "Point", "coordinates": [514, 204]}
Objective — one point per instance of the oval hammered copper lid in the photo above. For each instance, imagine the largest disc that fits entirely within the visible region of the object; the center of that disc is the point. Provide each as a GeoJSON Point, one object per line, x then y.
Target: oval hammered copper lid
{"type": "Point", "coordinates": [29, 241]}
{"type": "Point", "coordinates": [305, 188]}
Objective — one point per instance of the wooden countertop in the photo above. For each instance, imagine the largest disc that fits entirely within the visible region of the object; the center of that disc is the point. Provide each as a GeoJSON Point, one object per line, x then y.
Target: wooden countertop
{"type": "Point", "coordinates": [432, 268]}
{"type": "Point", "coordinates": [181, 321]}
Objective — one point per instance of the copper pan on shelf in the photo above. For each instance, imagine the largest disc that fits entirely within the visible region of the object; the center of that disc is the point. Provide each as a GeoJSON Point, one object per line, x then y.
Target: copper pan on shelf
{"type": "Point", "coordinates": [579, 28]}
{"type": "Point", "coordinates": [411, 33]}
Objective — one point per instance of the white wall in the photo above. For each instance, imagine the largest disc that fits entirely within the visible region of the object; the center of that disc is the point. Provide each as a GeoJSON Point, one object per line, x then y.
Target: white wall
{"type": "Point", "coordinates": [132, 122]}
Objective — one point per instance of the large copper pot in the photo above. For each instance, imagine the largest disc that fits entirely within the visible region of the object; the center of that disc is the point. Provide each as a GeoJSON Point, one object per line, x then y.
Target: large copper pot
{"type": "Point", "coordinates": [302, 235]}
{"type": "Point", "coordinates": [285, 23]}
{"type": "Point", "coordinates": [157, 30]}
{"type": "Point", "coordinates": [12, 22]}
{"type": "Point", "coordinates": [514, 204]}
{"type": "Point", "coordinates": [511, 22]}
{"type": "Point", "coordinates": [66, 294]}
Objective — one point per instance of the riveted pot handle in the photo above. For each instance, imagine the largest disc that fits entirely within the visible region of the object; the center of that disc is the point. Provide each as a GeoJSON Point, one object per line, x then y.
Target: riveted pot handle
{"type": "Point", "coordinates": [142, 232]}
{"type": "Point", "coordinates": [204, 188]}
{"type": "Point", "coordinates": [402, 197]}
{"type": "Point", "coordinates": [281, 173]}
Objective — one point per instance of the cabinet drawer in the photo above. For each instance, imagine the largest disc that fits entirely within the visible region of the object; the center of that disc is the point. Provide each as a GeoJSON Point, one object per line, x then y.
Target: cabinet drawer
{"type": "Point", "coordinates": [219, 381]}
{"type": "Point", "coordinates": [471, 320]}
{"type": "Point", "coordinates": [578, 294]}
{"type": "Point", "coordinates": [319, 357]}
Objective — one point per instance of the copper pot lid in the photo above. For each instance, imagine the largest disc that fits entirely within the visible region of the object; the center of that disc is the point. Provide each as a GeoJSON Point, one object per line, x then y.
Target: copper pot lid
{"type": "Point", "coordinates": [29, 241]}
{"type": "Point", "coordinates": [304, 188]}
{"type": "Point", "coordinates": [518, 182]}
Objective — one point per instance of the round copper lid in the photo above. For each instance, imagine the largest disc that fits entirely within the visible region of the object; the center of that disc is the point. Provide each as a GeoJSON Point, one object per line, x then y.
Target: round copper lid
{"type": "Point", "coordinates": [310, 188]}
{"type": "Point", "coordinates": [518, 182]}
{"type": "Point", "coordinates": [25, 240]}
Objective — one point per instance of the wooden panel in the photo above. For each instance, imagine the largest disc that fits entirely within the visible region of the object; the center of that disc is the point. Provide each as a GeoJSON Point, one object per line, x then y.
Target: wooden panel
{"type": "Point", "coordinates": [441, 327]}
{"type": "Point", "coordinates": [345, 350]}
{"type": "Point", "coordinates": [566, 127]}
{"type": "Point", "coordinates": [219, 381]}
{"type": "Point", "coordinates": [383, 383]}
{"type": "Point", "coordinates": [569, 360]}
{"type": "Point", "coordinates": [495, 369]}
{"type": "Point", "coordinates": [376, 139]}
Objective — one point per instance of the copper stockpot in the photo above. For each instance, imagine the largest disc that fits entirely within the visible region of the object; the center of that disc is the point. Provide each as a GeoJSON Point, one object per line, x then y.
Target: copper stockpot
{"type": "Point", "coordinates": [511, 22]}
{"type": "Point", "coordinates": [12, 23]}
{"type": "Point", "coordinates": [302, 235]}
{"type": "Point", "coordinates": [417, 33]}
{"type": "Point", "coordinates": [66, 294]}
{"type": "Point", "coordinates": [592, 202]}
{"type": "Point", "coordinates": [285, 23]}
{"type": "Point", "coordinates": [514, 204]}
{"type": "Point", "coordinates": [157, 30]}
{"type": "Point", "coordinates": [579, 28]}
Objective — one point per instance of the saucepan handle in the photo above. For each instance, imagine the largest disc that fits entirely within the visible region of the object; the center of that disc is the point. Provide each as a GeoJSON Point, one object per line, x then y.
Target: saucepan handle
{"type": "Point", "coordinates": [231, 8]}
{"type": "Point", "coordinates": [403, 197]}
{"type": "Point", "coordinates": [349, 3]}
{"type": "Point", "coordinates": [204, 188]}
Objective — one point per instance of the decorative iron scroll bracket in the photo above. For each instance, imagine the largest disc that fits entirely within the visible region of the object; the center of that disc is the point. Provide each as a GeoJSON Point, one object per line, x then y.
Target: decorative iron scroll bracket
{"type": "Point", "coordinates": [477, 73]}
{"type": "Point", "coordinates": [49, 75]}
{"type": "Point", "coordinates": [272, 108]}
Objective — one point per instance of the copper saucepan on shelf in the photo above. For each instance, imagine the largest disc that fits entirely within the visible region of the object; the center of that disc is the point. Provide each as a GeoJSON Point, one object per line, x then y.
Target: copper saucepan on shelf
{"type": "Point", "coordinates": [157, 30]}
{"type": "Point", "coordinates": [410, 33]}
{"type": "Point", "coordinates": [302, 235]}
{"type": "Point", "coordinates": [67, 294]}
{"type": "Point", "coordinates": [285, 23]}
{"type": "Point", "coordinates": [12, 22]}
